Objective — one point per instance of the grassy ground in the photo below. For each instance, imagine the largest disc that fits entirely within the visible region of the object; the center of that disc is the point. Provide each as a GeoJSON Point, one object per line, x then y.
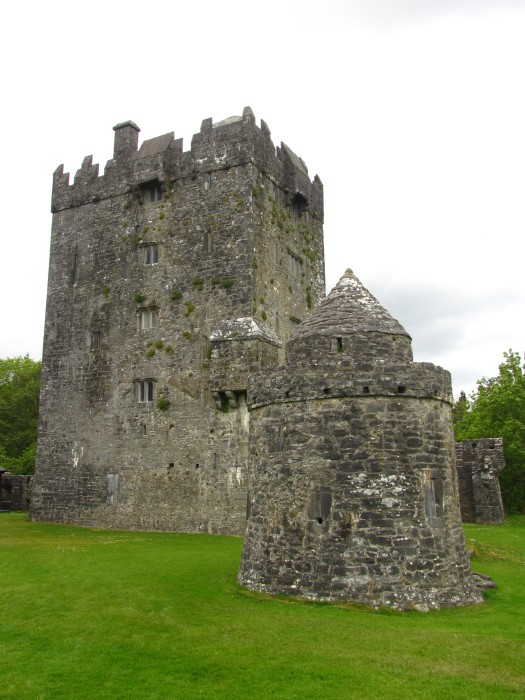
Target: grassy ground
{"type": "Point", "coordinates": [106, 614]}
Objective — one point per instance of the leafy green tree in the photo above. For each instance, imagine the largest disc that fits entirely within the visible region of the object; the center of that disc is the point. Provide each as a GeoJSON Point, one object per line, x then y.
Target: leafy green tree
{"type": "Point", "coordinates": [497, 409]}
{"type": "Point", "coordinates": [19, 392]}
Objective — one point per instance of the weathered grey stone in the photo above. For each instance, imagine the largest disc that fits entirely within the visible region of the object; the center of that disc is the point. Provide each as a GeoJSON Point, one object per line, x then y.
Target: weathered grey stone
{"type": "Point", "coordinates": [353, 491]}
{"type": "Point", "coordinates": [178, 274]}
{"type": "Point", "coordinates": [479, 463]}
{"type": "Point", "coordinates": [15, 491]}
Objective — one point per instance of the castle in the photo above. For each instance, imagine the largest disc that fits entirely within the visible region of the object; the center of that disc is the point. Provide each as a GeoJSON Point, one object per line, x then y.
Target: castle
{"type": "Point", "coordinates": [173, 277]}
{"type": "Point", "coordinates": [195, 378]}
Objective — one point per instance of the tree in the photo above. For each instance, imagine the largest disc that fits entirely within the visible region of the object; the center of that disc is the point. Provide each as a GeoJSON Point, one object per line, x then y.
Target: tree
{"type": "Point", "coordinates": [497, 409]}
{"type": "Point", "coordinates": [19, 393]}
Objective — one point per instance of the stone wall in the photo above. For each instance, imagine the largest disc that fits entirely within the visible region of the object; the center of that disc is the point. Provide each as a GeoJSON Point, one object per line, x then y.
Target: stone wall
{"type": "Point", "coordinates": [173, 276]}
{"type": "Point", "coordinates": [479, 463]}
{"type": "Point", "coordinates": [15, 491]}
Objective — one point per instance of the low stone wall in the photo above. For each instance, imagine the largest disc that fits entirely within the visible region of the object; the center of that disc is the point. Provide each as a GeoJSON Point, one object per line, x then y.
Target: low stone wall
{"type": "Point", "coordinates": [479, 463]}
{"type": "Point", "coordinates": [15, 491]}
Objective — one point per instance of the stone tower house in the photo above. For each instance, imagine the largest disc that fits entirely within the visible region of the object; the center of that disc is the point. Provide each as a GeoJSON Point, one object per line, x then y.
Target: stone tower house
{"type": "Point", "coordinates": [353, 487]}
{"type": "Point", "coordinates": [173, 277]}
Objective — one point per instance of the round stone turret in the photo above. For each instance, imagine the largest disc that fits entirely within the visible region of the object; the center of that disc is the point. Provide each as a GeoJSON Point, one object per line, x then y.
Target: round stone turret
{"type": "Point", "coordinates": [351, 322]}
{"type": "Point", "coordinates": [353, 487]}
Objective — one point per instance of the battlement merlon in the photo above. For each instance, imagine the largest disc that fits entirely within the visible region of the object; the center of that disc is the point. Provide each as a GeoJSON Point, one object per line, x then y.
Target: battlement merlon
{"type": "Point", "coordinates": [228, 143]}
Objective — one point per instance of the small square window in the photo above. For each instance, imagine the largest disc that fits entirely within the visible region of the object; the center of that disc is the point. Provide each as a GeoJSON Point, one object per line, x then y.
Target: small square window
{"type": "Point", "coordinates": [147, 319]}
{"type": "Point", "coordinates": [144, 390]}
{"type": "Point", "coordinates": [152, 191]}
{"type": "Point", "coordinates": [298, 206]}
{"type": "Point", "coordinates": [151, 254]}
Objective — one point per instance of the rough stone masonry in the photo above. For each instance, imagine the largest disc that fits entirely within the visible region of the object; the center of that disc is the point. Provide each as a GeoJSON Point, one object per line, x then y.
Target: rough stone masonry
{"type": "Point", "coordinates": [172, 277]}
{"type": "Point", "coordinates": [353, 486]}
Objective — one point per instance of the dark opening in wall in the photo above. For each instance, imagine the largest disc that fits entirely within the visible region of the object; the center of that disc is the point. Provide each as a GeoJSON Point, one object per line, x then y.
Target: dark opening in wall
{"type": "Point", "coordinates": [320, 504]}
{"type": "Point", "coordinates": [298, 206]}
{"type": "Point", "coordinates": [151, 254]}
{"type": "Point", "coordinates": [144, 390]}
{"type": "Point", "coordinates": [401, 389]}
{"type": "Point", "coordinates": [366, 390]}
{"type": "Point", "coordinates": [95, 340]}
{"type": "Point", "coordinates": [112, 488]}
{"type": "Point", "coordinates": [152, 191]}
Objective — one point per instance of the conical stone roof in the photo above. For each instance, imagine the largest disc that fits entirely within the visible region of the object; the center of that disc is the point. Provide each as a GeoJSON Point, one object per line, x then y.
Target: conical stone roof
{"type": "Point", "coordinates": [349, 308]}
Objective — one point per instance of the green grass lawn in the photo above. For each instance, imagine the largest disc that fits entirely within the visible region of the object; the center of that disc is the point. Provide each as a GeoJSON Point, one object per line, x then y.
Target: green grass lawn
{"type": "Point", "coordinates": [107, 614]}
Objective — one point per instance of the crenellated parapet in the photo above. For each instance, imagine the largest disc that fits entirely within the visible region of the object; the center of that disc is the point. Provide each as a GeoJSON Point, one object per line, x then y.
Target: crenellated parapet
{"type": "Point", "coordinates": [228, 143]}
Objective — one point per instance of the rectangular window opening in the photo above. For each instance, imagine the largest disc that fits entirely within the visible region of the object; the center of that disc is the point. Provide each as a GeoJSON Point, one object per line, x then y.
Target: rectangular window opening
{"type": "Point", "coordinates": [298, 206]}
{"type": "Point", "coordinates": [95, 340]}
{"type": "Point", "coordinates": [152, 191]}
{"type": "Point", "coordinates": [151, 254]}
{"type": "Point", "coordinates": [147, 319]}
{"type": "Point", "coordinates": [144, 390]}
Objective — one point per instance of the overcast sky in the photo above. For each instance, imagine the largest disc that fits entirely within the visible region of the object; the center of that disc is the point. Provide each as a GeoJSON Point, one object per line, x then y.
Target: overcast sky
{"type": "Point", "coordinates": [412, 112]}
